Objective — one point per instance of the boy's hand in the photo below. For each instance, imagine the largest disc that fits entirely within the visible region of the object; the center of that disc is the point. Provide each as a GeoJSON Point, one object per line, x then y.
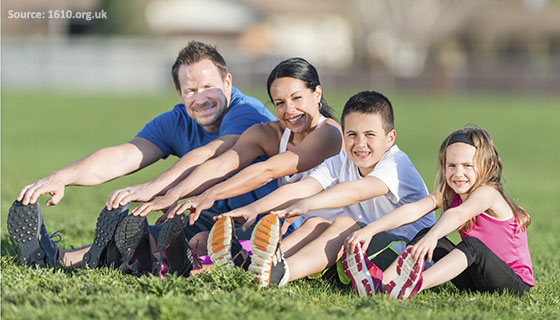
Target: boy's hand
{"type": "Point", "coordinates": [245, 213]}
{"type": "Point", "coordinates": [295, 210]}
{"type": "Point", "coordinates": [360, 237]}
{"type": "Point", "coordinates": [424, 247]}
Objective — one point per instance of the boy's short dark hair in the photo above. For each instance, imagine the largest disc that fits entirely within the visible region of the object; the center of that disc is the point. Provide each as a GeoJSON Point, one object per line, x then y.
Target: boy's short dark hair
{"type": "Point", "coordinates": [371, 102]}
{"type": "Point", "coordinates": [194, 52]}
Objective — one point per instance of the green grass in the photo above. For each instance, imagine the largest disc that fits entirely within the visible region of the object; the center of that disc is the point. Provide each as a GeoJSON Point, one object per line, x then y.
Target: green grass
{"type": "Point", "coordinates": [42, 131]}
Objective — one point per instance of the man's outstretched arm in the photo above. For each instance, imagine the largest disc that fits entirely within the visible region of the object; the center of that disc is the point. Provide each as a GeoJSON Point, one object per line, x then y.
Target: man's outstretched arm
{"type": "Point", "coordinates": [99, 167]}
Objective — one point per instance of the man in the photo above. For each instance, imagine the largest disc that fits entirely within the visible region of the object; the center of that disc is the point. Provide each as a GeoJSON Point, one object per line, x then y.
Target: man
{"type": "Point", "coordinates": [211, 116]}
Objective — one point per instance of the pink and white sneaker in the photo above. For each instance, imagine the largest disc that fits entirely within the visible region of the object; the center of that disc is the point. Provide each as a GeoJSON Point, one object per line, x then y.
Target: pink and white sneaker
{"type": "Point", "coordinates": [409, 277]}
{"type": "Point", "coordinates": [366, 277]}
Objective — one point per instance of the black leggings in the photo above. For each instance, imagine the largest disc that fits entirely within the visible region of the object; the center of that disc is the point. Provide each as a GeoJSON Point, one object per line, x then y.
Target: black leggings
{"type": "Point", "coordinates": [485, 272]}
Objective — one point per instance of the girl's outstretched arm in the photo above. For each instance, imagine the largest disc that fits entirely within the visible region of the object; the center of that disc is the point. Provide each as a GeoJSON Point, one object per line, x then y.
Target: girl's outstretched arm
{"type": "Point", "coordinates": [405, 214]}
{"type": "Point", "coordinates": [480, 200]}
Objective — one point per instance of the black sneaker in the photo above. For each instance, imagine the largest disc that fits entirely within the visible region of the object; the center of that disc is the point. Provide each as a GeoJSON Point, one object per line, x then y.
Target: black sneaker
{"type": "Point", "coordinates": [268, 263]}
{"type": "Point", "coordinates": [133, 242]}
{"type": "Point", "coordinates": [27, 230]}
{"type": "Point", "coordinates": [175, 254]}
{"type": "Point", "coordinates": [103, 251]}
{"type": "Point", "coordinates": [223, 246]}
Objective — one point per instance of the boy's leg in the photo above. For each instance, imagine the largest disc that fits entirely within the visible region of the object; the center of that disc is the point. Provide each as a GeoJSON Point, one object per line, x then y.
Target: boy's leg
{"type": "Point", "coordinates": [323, 251]}
{"type": "Point", "coordinates": [311, 229]}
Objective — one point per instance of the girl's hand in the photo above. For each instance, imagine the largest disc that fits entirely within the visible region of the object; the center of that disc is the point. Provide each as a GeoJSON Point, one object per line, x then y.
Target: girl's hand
{"type": "Point", "coordinates": [424, 247]}
{"type": "Point", "coordinates": [360, 237]}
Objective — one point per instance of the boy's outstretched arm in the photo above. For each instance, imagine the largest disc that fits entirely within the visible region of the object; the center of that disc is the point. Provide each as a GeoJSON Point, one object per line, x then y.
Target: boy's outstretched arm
{"type": "Point", "coordinates": [281, 197]}
{"type": "Point", "coordinates": [405, 214]}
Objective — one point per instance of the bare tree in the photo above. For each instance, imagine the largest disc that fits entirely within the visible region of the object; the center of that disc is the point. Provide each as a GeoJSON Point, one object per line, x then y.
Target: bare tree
{"type": "Point", "coordinates": [401, 32]}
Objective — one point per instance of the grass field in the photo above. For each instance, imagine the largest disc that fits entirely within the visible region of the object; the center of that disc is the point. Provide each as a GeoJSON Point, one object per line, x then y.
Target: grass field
{"type": "Point", "coordinates": [43, 131]}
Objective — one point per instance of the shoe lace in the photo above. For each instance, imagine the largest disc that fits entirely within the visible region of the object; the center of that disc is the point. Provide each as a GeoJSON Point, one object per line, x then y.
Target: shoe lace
{"type": "Point", "coordinates": [54, 235]}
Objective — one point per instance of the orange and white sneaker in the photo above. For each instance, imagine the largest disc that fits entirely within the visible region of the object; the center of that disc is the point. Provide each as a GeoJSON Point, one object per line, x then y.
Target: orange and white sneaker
{"type": "Point", "coordinates": [365, 275]}
{"type": "Point", "coordinates": [409, 277]}
{"type": "Point", "coordinates": [224, 247]}
{"type": "Point", "coordinates": [267, 263]}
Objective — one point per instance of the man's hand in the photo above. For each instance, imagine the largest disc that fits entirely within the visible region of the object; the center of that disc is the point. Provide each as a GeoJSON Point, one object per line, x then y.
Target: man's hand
{"type": "Point", "coordinates": [30, 193]}
{"type": "Point", "coordinates": [139, 193]}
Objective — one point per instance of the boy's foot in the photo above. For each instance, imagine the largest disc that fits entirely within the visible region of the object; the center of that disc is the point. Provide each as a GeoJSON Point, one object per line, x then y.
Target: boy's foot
{"type": "Point", "coordinates": [267, 262]}
{"type": "Point", "coordinates": [103, 251]}
{"type": "Point", "coordinates": [175, 254]}
{"type": "Point", "coordinates": [223, 245]}
{"type": "Point", "coordinates": [366, 277]}
{"type": "Point", "coordinates": [409, 277]}
{"type": "Point", "coordinates": [26, 228]}
{"type": "Point", "coordinates": [132, 241]}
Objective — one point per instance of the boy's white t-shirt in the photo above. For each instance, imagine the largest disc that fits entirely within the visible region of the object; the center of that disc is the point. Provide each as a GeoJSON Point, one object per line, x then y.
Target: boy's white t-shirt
{"type": "Point", "coordinates": [399, 175]}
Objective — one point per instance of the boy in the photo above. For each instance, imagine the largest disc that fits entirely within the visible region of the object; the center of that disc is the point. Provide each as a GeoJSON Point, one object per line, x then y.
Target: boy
{"type": "Point", "coordinates": [370, 179]}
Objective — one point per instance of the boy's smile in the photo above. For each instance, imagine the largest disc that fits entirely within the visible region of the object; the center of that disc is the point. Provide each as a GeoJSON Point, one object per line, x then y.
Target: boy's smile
{"type": "Point", "coordinates": [365, 140]}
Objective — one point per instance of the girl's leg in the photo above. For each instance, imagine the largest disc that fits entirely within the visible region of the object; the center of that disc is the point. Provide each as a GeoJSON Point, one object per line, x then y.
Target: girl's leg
{"type": "Point", "coordinates": [489, 273]}
{"type": "Point", "coordinates": [306, 233]}
{"type": "Point", "coordinates": [447, 268]}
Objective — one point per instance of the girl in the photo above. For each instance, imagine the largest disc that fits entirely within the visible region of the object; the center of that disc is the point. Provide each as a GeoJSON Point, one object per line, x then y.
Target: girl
{"type": "Point", "coordinates": [493, 255]}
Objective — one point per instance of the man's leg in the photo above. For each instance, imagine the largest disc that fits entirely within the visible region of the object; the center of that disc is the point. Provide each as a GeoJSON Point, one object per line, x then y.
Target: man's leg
{"type": "Point", "coordinates": [323, 251]}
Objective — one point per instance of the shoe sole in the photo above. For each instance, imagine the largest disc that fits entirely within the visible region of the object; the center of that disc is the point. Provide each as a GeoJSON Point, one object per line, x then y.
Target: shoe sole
{"type": "Point", "coordinates": [105, 228]}
{"type": "Point", "coordinates": [24, 224]}
{"type": "Point", "coordinates": [128, 236]}
{"type": "Point", "coordinates": [167, 235]}
{"type": "Point", "coordinates": [264, 240]}
{"type": "Point", "coordinates": [409, 277]}
{"type": "Point", "coordinates": [219, 242]}
{"type": "Point", "coordinates": [362, 272]}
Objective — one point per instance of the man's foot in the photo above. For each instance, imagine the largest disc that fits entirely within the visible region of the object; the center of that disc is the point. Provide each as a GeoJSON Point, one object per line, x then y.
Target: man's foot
{"type": "Point", "coordinates": [26, 228]}
{"type": "Point", "coordinates": [103, 251]}
{"type": "Point", "coordinates": [267, 262]}
{"type": "Point", "coordinates": [133, 242]}
{"type": "Point", "coordinates": [366, 277]}
{"type": "Point", "coordinates": [175, 254]}
{"type": "Point", "coordinates": [409, 277]}
{"type": "Point", "coordinates": [223, 245]}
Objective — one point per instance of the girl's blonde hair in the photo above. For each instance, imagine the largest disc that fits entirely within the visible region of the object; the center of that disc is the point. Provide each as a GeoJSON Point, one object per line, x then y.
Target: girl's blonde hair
{"type": "Point", "coordinates": [488, 166]}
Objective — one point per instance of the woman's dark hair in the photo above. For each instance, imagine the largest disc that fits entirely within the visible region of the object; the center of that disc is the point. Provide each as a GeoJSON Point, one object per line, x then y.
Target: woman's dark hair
{"type": "Point", "coordinates": [299, 68]}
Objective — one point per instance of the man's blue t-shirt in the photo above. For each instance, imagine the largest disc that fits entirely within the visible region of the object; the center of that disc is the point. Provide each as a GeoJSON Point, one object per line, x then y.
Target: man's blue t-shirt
{"type": "Point", "coordinates": [175, 133]}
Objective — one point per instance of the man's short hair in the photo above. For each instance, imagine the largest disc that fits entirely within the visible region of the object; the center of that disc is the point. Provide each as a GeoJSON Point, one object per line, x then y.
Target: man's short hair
{"type": "Point", "coordinates": [194, 52]}
{"type": "Point", "coordinates": [371, 102]}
